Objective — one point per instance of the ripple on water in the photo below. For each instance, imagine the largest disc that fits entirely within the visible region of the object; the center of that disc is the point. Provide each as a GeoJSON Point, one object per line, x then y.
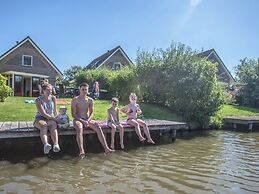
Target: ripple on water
{"type": "Point", "coordinates": [220, 162]}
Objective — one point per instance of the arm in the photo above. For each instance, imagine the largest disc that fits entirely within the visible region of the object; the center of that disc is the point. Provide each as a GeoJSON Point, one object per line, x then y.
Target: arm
{"type": "Point", "coordinates": [125, 110]}
{"type": "Point", "coordinates": [139, 111]}
{"type": "Point", "coordinates": [55, 105]}
{"type": "Point", "coordinates": [118, 112]}
{"type": "Point", "coordinates": [91, 109]}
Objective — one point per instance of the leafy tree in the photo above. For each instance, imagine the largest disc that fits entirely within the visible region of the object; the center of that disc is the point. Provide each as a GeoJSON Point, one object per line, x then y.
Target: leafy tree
{"type": "Point", "coordinates": [248, 75]}
{"type": "Point", "coordinates": [70, 74]}
{"type": "Point", "coordinates": [5, 90]}
{"type": "Point", "coordinates": [178, 78]}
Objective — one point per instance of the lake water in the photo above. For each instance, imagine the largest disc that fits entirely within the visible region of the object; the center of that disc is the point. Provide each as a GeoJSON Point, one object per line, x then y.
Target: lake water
{"type": "Point", "coordinates": [214, 162]}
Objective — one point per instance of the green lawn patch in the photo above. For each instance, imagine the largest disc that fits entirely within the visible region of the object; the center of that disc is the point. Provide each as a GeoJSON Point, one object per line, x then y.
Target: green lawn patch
{"type": "Point", "coordinates": [14, 109]}
{"type": "Point", "coordinates": [231, 110]}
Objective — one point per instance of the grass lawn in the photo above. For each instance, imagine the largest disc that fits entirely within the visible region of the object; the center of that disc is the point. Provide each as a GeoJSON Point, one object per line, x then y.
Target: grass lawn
{"type": "Point", "coordinates": [230, 110]}
{"type": "Point", "coordinates": [14, 109]}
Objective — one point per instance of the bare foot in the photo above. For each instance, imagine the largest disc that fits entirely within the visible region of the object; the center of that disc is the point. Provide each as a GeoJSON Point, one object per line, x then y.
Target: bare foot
{"type": "Point", "coordinates": [109, 151]}
{"type": "Point", "coordinates": [151, 141]}
{"type": "Point", "coordinates": [82, 155]}
{"type": "Point", "coordinates": [122, 146]}
{"type": "Point", "coordinates": [112, 146]}
{"type": "Point", "coordinates": [142, 139]}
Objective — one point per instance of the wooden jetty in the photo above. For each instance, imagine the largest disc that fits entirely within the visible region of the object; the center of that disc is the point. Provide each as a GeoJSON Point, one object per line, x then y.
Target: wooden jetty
{"type": "Point", "coordinates": [26, 129]}
{"type": "Point", "coordinates": [244, 120]}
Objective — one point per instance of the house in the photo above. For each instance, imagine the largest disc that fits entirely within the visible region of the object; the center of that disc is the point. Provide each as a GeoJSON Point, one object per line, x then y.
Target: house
{"type": "Point", "coordinates": [114, 59]}
{"type": "Point", "coordinates": [223, 73]}
{"type": "Point", "coordinates": [25, 65]}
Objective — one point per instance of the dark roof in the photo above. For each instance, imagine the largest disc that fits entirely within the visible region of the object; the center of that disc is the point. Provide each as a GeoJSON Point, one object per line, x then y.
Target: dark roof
{"type": "Point", "coordinates": [29, 38]}
{"type": "Point", "coordinates": [207, 54]}
{"type": "Point", "coordinates": [99, 60]}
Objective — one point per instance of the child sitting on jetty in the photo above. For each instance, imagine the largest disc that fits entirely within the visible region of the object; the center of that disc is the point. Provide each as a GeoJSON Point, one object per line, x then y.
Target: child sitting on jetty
{"type": "Point", "coordinates": [114, 123]}
{"type": "Point", "coordinates": [132, 110]}
{"type": "Point", "coordinates": [63, 117]}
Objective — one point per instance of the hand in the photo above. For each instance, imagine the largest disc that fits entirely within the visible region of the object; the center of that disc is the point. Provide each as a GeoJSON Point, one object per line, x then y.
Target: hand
{"type": "Point", "coordinates": [85, 122]}
{"type": "Point", "coordinates": [58, 120]}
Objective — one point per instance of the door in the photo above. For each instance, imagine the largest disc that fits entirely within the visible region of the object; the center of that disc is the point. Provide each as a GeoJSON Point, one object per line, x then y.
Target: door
{"type": "Point", "coordinates": [18, 85]}
{"type": "Point", "coordinates": [35, 86]}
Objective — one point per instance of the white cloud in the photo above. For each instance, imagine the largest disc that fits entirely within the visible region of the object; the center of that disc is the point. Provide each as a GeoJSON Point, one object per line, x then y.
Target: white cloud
{"type": "Point", "coordinates": [195, 3]}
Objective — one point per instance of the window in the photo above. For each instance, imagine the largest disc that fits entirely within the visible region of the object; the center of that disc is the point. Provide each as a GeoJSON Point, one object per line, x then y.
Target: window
{"type": "Point", "coordinates": [27, 60]}
{"type": "Point", "coordinates": [116, 66]}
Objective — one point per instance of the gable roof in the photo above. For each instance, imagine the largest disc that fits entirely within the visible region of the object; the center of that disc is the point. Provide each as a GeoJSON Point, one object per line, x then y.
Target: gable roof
{"type": "Point", "coordinates": [36, 47]}
{"type": "Point", "coordinates": [210, 52]}
{"type": "Point", "coordinates": [99, 61]}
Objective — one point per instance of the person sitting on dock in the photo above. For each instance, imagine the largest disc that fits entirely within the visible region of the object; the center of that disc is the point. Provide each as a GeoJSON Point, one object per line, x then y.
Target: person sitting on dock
{"type": "Point", "coordinates": [114, 123]}
{"type": "Point", "coordinates": [82, 112]}
{"type": "Point", "coordinates": [45, 118]}
{"type": "Point", "coordinates": [132, 110]}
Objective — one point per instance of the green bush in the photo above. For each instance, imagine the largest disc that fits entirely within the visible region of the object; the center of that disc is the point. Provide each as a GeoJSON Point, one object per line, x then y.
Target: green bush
{"type": "Point", "coordinates": [248, 75]}
{"type": "Point", "coordinates": [5, 90]}
{"type": "Point", "coordinates": [117, 83]}
{"type": "Point", "coordinates": [177, 78]}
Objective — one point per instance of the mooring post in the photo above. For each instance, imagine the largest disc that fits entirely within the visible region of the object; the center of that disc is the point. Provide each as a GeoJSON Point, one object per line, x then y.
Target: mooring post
{"type": "Point", "coordinates": [250, 126]}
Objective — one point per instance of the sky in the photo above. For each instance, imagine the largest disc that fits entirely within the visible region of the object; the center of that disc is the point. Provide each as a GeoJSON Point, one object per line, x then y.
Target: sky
{"type": "Point", "coordinates": [75, 32]}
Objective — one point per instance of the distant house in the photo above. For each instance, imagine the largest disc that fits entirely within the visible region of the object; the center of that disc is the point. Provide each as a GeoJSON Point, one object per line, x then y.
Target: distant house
{"type": "Point", "coordinates": [25, 65]}
{"type": "Point", "coordinates": [223, 73]}
{"type": "Point", "coordinates": [113, 59]}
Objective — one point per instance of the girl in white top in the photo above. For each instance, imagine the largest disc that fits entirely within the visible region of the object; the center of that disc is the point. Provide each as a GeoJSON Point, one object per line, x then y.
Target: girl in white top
{"type": "Point", "coordinates": [132, 110]}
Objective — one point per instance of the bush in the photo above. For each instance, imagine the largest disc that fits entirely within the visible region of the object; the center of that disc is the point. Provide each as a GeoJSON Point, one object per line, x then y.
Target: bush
{"type": "Point", "coordinates": [177, 78]}
{"type": "Point", "coordinates": [117, 83]}
{"type": "Point", "coordinates": [248, 75]}
{"type": "Point", "coordinates": [5, 90]}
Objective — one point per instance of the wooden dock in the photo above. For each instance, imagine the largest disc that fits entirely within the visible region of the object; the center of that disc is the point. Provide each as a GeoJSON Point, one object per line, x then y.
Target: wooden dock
{"type": "Point", "coordinates": [26, 129]}
{"type": "Point", "coordinates": [243, 120]}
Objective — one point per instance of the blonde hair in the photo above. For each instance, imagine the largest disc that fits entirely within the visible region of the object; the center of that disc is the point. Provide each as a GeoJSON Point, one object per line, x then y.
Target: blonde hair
{"type": "Point", "coordinates": [132, 94]}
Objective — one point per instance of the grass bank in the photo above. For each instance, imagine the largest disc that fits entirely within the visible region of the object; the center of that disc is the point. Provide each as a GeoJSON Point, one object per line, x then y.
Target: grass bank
{"type": "Point", "coordinates": [15, 109]}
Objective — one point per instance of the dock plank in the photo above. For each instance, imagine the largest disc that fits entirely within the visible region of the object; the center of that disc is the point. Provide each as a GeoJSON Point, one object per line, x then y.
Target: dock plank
{"type": "Point", "coordinates": [6, 126]}
{"type": "Point", "coordinates": [1, 123]}
{"type": "Point", "coordinates": [15, 126]}
{"type": "Point", "coordinates": [23, 126]}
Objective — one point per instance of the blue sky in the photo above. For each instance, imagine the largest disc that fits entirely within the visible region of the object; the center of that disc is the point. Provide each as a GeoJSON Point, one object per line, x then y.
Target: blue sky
{"type": "Point", "coordinates": [76, 32]}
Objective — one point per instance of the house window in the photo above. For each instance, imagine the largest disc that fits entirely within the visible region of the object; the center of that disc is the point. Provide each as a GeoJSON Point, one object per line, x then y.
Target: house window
{"type": "Point", "coordinates": [27, 60]}
{"type": "Point", "coordinates": [116, 66]}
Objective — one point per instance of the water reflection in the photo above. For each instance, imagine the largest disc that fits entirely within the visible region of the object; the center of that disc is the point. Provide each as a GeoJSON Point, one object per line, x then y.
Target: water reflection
{"type": "Point", "coordinates": [215, 162]}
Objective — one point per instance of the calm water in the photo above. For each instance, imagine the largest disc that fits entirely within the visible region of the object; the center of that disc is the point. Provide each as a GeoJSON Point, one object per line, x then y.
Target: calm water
{"type": "Point", "coordinates": [219, 162]}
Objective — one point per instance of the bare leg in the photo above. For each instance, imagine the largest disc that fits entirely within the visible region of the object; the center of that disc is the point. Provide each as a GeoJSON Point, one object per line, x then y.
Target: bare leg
{"type": "Point", "coordinates": [146, 131]}
{"type": "Point", "coordinates": [113, 130]}
{"type": "Point", "coordinates": [42, 126]}
{"type": "Point", "coordinates": [79, 137]}
{"type": "Point", "coordinates": [94, 126]}
{"type": "Point", "coordinates": [53, 131]}
{"type": "Point", "coordinates": [137, 128]}
{"type": "Point", "coordinates": [121, 131]}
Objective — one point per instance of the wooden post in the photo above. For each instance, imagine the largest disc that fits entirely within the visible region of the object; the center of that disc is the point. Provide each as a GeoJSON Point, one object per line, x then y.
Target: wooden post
{"type": "Point", "coordinates": [234, 125]}
{"type": "Point", "coordinates": [250, 126]}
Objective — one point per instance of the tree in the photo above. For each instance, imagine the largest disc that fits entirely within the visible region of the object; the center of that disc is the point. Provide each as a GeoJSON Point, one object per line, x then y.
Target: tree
{"type": "Point", "coordinates": [178, 78]}
{"type": "Point", "coordinates": [248, 75]}
{"type": "Point", "coordinates": [70, 74]}
{"type": "Point", "coordinates": [5, 90]}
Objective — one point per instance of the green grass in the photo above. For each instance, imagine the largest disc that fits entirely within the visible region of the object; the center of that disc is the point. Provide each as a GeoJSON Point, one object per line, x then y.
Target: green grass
{"type": "Point", "coordinates": [14, 109]}
{"type": "Point", "coordinates": [230, 110]}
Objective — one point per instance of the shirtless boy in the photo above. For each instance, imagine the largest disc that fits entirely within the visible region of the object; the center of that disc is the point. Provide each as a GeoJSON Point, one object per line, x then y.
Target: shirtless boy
{"type": "Point", "coordinates": [82, 112]}
{"type": "Point", "coordinates": [114, 123]}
